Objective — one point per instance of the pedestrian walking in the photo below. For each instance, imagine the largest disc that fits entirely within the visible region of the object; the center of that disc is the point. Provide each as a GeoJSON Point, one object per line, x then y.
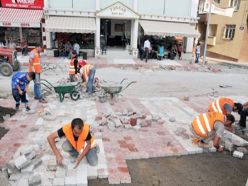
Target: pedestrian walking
{"type": "Point", "coordinates": [197, 52]}
{"type": "Point", "coordinates": [147, 47]}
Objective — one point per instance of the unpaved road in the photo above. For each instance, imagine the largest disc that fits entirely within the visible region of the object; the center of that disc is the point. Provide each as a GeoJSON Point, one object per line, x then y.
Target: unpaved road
{"type": "Point", "coordinates": [208, 169]}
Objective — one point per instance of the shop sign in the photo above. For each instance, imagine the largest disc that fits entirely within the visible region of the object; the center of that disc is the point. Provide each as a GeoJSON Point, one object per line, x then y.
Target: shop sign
{"type": "Point", "coordinates": [27, 4]}
{"type": "Point", "coordinates": [118, 10]}
{"type": "Point", "coordinates": [6, 24]}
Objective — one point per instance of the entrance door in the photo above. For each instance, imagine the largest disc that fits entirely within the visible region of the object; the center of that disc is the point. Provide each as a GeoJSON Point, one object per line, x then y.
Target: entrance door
{"type": "Point", "coordinates": [115, 33]}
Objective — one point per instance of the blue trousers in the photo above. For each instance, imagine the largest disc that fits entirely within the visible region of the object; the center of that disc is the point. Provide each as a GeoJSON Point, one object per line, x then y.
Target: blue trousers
{"type": "Point", "coordinates": [90, 83]}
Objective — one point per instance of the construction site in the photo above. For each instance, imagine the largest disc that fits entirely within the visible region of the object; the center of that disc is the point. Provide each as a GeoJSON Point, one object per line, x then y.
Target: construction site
{"type": "Point", "coordinates": [142, 128]}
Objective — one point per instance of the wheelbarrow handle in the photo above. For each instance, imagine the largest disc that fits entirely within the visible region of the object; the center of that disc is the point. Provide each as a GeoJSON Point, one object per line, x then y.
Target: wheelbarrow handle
{"type": "Point", "coordinates": [43, 80]}
{"type": "Point", "coordinates": [129, 85]}
{"type": "Point", "coordinates": [124, 79]}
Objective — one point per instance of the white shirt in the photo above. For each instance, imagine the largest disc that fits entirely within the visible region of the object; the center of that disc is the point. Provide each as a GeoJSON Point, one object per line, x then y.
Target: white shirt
{"type": "Point", "coordinates": [198, 49]}
{"type": "Point", "coordinates": [76, 47]}
{"type": "Point", "coordinates": [147, 44]}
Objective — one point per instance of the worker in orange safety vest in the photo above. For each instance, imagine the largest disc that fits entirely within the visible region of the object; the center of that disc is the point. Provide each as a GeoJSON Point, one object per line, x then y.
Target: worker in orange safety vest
{"type": "Point", "coordinates": [211, 125]}
{"type": "Point", "coordinates": [73, 66]}
{"type": "Point", "coordinates": [88, 73]}
{"type": "Point", "coordinates": [79, 142]}
{"type": "Point", "coordinates": [223, 105]}
{"type": "Point", "coordinates": [35, 66]}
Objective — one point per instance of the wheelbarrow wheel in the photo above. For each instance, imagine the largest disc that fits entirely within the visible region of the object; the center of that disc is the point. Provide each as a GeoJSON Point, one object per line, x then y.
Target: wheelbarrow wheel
{"type": "Point", "coordinates": [75, 95]}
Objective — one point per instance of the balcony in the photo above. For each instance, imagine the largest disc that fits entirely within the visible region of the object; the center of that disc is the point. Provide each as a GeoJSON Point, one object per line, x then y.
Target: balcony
{"type": "Point", "coordinates": [211, 40]}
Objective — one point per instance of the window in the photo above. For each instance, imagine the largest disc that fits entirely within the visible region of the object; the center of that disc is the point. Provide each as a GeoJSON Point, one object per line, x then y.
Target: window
{"type": "Point", "coordinates": [217, 1]}
{"type": "Point", "coordinates": [229, 32]}
{"type": "Point", "coordinates": [235, 4]}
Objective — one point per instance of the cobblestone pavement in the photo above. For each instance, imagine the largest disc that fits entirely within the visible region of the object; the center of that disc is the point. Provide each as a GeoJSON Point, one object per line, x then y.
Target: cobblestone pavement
{"type": "Point", "coordinates": [164, 132]}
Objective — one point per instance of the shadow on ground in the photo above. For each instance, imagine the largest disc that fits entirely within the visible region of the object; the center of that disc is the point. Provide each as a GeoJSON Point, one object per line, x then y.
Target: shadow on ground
{"type": "Point", "coordinates": [201, 169]}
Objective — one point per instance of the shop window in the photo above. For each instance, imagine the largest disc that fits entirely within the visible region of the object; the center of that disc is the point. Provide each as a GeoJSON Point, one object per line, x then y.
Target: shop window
{"type": "Point", "coordinates": [229, 32]}
{"type": "Point", "coordinates": [32, 36]}
{"type": "Point", "coordinates": [235, 4]}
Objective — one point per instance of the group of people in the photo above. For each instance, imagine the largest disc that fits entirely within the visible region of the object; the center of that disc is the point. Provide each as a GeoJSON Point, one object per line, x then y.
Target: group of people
{"type": "Point", "coordinates": [147, 51]}
{"type": "Point", "coordinates": [211, 125]}
{"type": "Point", "coordinates": [66, 49]}
{"type": "Point", "coordinates": [86, 72]}
{"type": "Point", "coordinates": [21, 80]}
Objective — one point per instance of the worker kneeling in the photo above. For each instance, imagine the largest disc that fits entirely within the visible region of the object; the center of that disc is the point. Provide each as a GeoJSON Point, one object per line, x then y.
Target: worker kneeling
{"type": "Point", "coordinates": [210, 126]}
{"type": "Point", "coordinates": [79, 142]}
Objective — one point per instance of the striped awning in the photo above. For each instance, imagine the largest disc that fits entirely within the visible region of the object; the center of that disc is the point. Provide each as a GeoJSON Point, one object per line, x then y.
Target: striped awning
{"type": "Point", "coordinates": [10, 17]}
{"type": "Point", "coordinates": [163, 28]}
{"type": "Point", "coordinates": [71, 24]}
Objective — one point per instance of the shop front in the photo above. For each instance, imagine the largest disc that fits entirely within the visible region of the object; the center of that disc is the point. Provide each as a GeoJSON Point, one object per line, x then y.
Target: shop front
{"type": "Point", "coordinates": [69, 30]}
{"type": "Point", "coordinates": [20, 23]}
{"type": "Point", "coordinates": [17, 25]}
{"type": "Point", "coordinates": [117, 27]}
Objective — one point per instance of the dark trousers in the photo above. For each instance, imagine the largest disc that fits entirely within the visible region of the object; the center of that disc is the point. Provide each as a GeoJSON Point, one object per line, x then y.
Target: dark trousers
{"type": "Point", "coordinates": [146, 53]}
{"type": "Point", "coordinates": [243, 115]}
{"type": "Point", "coordinates": [19, 97]}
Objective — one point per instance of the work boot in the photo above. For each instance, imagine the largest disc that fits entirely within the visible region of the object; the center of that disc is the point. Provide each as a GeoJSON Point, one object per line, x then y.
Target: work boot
{"type": "Point", "coordinates": [42, 100]}
{"type": "Point", "coordinates": [28, 108]}
{"type": "Point", "coordinates": [17, 106]}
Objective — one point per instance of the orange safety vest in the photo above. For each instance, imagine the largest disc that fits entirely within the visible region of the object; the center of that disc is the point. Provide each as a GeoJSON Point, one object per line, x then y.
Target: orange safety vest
{"type": "Point", "coordinates": [71, 67]}
{"type": "Point", "coordinates": [218, 105]}
{"type": "Point", "coordinates": [204, 123]}
{"type": "Point", "coordinates": [80, 144]}
{"type": "Point", "coordinates": [36, 67]}
{"type": "Point", "coordinates": [86, 70]}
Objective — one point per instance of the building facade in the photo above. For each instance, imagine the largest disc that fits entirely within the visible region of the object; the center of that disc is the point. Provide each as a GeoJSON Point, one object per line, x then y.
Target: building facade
{"type": "Point", "coordinates": [21, 21]}
{"type": "Point", "coordinates": [228, 36]}
{"type": "Point", "coordinates": [93, 22]}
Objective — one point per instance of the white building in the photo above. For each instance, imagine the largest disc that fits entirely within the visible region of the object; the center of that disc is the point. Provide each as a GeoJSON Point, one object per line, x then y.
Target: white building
{"type": "Point", "coordinates": [94, 21]}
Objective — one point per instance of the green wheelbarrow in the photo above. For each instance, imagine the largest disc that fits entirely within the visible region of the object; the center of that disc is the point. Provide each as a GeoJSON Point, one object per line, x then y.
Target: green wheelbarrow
{"type": "Point", "coordinates": [71, 88]}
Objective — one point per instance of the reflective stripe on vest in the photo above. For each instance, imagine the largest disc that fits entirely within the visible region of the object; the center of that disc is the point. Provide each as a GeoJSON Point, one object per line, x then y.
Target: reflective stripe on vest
{"type": "Point", "coordinates": [204, 123]}
{"type": "Point", "coordinates": [80, 144]}
{"type": "Point", "coordinates": [36, 67]}
{"type": "Point", "coordinates": [217, 102]}
{"type": "Point", "coordinates": [87, 70]}
{"type": "Point", "coordinates": [218, 105]}
{"type": "Point", "coordinates": [71, 67]}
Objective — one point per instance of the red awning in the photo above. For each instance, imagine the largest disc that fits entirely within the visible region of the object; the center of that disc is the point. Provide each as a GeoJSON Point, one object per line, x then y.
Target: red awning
{"type": "Point", "coordinates": [20, 17]}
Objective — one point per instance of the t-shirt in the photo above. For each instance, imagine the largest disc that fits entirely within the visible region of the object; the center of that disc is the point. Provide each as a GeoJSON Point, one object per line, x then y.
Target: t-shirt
{"type": "Point", "coordinates": [219, 128]}
{"type": "Point", "coordinates": [20, 79]}
{"type": "Point", "coordinates": [62, 134]}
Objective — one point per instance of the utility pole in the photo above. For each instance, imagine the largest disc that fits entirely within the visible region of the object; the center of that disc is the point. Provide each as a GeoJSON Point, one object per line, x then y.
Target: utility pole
{"type": "Point", "coordinates": [207, 30]}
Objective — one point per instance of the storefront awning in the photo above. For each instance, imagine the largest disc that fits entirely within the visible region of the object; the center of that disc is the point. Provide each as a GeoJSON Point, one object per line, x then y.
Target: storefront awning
{"type": "Point", "coordinates": [161, 28]}
{"type": "Point", "coordinates": [20, 17]}
{"type": "Point", "coordinates": [71, 24]}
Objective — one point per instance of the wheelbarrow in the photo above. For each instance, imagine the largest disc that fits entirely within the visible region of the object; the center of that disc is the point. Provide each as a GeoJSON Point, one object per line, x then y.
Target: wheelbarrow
{"type": "Point", "coordinates": [71, 88]}
{"type": "Point", "coordinates": [113, 90]}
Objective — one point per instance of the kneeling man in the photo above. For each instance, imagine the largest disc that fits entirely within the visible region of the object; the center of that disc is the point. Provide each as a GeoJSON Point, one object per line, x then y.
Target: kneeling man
{"type": "Point", "coordinates": [79, 142]}
{"type": "Point", "coordinates": [211, 125]}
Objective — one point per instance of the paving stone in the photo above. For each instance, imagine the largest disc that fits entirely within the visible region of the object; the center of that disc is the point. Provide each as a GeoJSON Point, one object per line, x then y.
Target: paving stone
{"type": "Point", "coordinates": [91, 172]}
{"type": "Point", "coordinates": [172, 119]}
{"type": "Point", "coordinates": [71, 172]}
{"type": "Point", "coordinates": [60, 173]}
{"type": "Point", "coordinates": [22, 182]}
{"type": "Point", "coordinates": [59, 182]}
{"type": "Point", "coordinates": [102, 173]}
{"type": "Point", "coordinates": [21, 162]}
{"type": "Point", "coordinates": [27, 150]}
{"type": "Point", "coordinates": [36, 162]}
{"type": "Point", "coordinates": [52, 166]}
{"type": "Point", "coordinates": [28, 169]}
{"type": "Point", "coordinates": [12, 168]}
{"type": "Point", "coordinates": [18, 176]}
{"type": "Point", "coordinates": [242, 149]}
{"type": "Point", "coordinates": [228, 145]}
{"type": "Point", "coordinates": [238, 154]}
{"type": "Point", "coordinates": [31, 155]}
{"type": "Point", "coordinates": [34, 180]}
{"type": "Point", "coordinates": [81, 178]}
{"type": "Point", "coordinates": [39, 121]}
{"type": "Point", "coordinates": [70, 181]}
